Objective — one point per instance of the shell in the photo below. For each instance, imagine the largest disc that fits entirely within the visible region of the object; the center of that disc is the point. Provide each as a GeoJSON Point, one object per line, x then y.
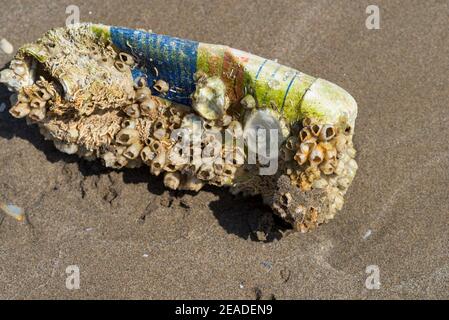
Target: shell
{"type": "Point", "coordinates": [210, 99]}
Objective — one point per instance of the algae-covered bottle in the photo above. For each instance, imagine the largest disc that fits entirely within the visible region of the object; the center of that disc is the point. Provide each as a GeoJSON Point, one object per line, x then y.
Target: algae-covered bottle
{"type": "Point", "coordinates": [131, 97]}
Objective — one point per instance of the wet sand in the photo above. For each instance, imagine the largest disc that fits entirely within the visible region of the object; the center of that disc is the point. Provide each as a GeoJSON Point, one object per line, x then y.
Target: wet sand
{"type": "Point", "coordinates": [133, 239]}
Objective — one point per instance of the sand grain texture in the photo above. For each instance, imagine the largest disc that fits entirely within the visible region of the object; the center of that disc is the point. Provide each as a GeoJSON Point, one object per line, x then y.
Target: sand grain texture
{"type": "Point", "coordinates": [132, 239]}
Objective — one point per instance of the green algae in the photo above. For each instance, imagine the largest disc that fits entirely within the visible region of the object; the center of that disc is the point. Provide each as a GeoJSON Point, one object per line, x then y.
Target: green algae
{"type": "Point", "coordinates": [101, 31]}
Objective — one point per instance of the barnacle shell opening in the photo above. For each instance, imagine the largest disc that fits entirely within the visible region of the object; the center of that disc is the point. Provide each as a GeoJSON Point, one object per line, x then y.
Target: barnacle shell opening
{"type": "Point", "coordinates": [123, 96]}
{"type": "Point", "coordinates": [267, 120]}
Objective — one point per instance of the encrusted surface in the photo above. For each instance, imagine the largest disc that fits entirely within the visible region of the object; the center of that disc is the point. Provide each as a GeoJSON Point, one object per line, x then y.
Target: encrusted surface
{"type": "Point", "coordinates": [202, 246]}
{"type": "Point", "coordinates": [78, 87]}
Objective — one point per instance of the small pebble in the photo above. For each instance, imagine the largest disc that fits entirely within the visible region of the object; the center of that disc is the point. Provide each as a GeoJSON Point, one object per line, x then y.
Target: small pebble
{"type": "Point", "coordinates": [145, 255]}
{"type": "Point", "coordinates": [2, 107]}
{"type": "Point", "coordinates": [261, 236]}
{"type": "Point", "coordinates": [6, 46]}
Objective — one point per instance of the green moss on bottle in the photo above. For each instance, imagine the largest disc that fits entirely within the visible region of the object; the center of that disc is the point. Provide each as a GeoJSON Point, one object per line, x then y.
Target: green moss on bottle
{"type": "Point", "coordinates": [101, 31]}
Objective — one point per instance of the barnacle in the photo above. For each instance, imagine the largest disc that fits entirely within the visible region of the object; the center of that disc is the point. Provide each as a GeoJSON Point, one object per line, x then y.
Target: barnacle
{"type": "Point", "coordinates": [210, 99]}
{"type": "Point", "coordinates": [196, 113]}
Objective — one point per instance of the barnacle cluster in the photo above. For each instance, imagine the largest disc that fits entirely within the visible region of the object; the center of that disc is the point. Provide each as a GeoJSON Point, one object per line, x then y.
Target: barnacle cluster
{"type": "Point", "coordinates": [323, 160]}
{"type": "Point", "coordinates": [83, 93]}
{"type": "Point", "coordinates": [100, 111]}
{"type": "Point", "coordinates": [316, 168]}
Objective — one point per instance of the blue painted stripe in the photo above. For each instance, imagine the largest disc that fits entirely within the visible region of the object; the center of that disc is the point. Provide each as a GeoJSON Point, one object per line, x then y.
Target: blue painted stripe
{"type": "Point", "coordinates": [260, 69]}
{"type": "Point", "coordinates": [288, 89]}
{"type": "Point", "coordinates": [174, 58]}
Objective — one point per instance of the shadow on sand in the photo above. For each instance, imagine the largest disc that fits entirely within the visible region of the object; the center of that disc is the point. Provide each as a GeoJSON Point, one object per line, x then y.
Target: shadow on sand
{"type": "Point", "coordinates": [247, 217]}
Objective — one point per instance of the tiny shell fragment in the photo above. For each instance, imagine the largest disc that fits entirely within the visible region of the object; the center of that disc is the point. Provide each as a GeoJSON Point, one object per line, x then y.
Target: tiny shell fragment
{"type": "Point", "coordinates": [13, 211]}
{"type": "Point", "coordinates": [6, 46]}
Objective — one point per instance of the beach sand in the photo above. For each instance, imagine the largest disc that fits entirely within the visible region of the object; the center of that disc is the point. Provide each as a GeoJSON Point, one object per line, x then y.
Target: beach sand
{"type": "Point", "coordinates": [132, 239]}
